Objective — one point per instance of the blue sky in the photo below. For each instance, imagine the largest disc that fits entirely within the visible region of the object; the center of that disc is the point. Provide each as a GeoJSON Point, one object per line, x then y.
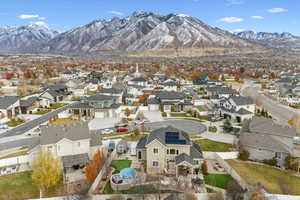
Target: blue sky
{"type": "Point", "coordinates": [258, 15]}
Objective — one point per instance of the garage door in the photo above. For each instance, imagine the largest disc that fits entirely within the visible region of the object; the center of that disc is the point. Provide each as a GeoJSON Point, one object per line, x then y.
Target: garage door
{"type": "Point", "coordinates": [99, 114]}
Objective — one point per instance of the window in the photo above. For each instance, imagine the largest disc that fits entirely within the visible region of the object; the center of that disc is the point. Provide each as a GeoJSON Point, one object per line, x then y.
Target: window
{"type": "Point", "coordinates": [155, 150]}
{"type": "Point", "coordinates": [177, 152]}
{"type": "Point", "coordinates": [168, 151]}
{"type": "Point", "coordinates": [172, 151]}
{"type": "Point", "coordinates": [155, 163]}
{"type": "Point", "coordinates": [78, 144]}
{"type": "Point", "coordinates": [278, 155]}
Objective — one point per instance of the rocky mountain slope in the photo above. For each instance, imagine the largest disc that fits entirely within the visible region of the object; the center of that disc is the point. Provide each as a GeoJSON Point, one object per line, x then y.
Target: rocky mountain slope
{"type": "Point", "coordinates": [144, 31]}
{"type": "Point", "coordinates": [272, 40]}
{"type": "Point", "coordinates": [28, 38]}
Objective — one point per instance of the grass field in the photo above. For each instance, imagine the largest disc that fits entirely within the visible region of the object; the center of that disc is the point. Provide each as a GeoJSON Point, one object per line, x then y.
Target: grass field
{"type": "Point", "coordinates": [20, 186]}
{"type": "Point", "coordinates": [14, 123]}
{"type": "Point", "coordinates": [217, 180]}
{"type": "Point", "coordinates": [274, 180]}
{"type": "Point", "coordinates": [19, 153]}
{"type": "Point", "coordinates": [212, 146]}
{"type": "Point", "coordinates": [63, 121]}
{"type": "Point", "coordinates": [120, 164]}
{"type": "Point", "coordinates": [42, 112]}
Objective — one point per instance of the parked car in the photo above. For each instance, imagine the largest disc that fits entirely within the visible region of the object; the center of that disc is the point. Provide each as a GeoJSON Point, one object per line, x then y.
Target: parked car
{"type": "Point", "coordinates": [3, 126]}
{"type": "Point", "coordinates": [121, 130]}
{"type": "Point", "coordinates": [107, 131]}
{"type": "Point", "coordinates": [121, 125]}
{"type": "Point", "coordinates": [215, 119]}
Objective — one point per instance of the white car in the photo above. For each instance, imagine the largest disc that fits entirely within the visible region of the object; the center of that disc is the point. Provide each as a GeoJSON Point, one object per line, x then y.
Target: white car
{"type": "Point", "coordinates": [107, 131]}
{"type": "Point", "coordinates": [3, 126]}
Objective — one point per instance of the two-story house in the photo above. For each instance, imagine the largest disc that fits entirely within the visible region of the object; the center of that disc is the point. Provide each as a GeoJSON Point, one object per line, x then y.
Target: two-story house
{"type": "Point", "coordinates": [237, 108]}
{"type": "Point", "coordinates": [73, 143]}
{"type": "Point", "coordinates": [169, 150]}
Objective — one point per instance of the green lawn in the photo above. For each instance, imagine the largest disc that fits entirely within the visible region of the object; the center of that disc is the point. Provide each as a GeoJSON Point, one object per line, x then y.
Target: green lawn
{"type": "Point", "coordinates": [178, 114]}
{"type": "Point", "coordinates": [55, 106]}
{"type": "Point", "coordinates": [42, 112]}
{"type": "Point", "coordinates": [143, 189]}
{"type": "Point", "coordinates": [19, 153]}
{"type": "Point", "coordinates": [274, 180]}
{"type": "Point", "coordinates": [217, 180]}
{"type": "Point", "coordinates": [14, 123]}
{"type": "Point", "coordinates": [20, 186]}
{"type": "Point", "coordinates": [205, 117]}
{"type": "Point", "coordinates": [120, 164]}
{"type": "Point", "coordinates": [212, 146]}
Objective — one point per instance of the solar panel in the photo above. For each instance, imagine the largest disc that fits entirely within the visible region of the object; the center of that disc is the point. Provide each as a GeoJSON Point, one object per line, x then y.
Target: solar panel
{"type": "Point", "coordinates": [173, 138]}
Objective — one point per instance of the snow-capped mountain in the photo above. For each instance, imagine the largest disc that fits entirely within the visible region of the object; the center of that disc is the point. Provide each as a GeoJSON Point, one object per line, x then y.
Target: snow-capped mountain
{"type": "Point", "coordinates": [144, 31]}
{"type": "Point", "coordinates": [28, 38]}
{"type": "Point", "coordinates": [272, 40]}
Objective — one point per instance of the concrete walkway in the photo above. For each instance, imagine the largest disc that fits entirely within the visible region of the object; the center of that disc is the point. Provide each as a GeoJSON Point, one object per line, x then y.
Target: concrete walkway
{"type": "Point", "coordinates": [219, 137]}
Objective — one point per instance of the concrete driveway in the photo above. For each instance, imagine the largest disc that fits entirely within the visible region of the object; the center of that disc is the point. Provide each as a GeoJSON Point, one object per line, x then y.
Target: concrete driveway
{"type": "Point", "coordinates": [189, 126]}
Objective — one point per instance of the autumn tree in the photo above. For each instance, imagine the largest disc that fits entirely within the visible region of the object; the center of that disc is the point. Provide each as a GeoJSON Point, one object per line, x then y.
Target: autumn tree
{"type": "Point", "coordinates": [91, 172]}
{"type": "Point", "coordinates": [295, 122]}
{"type": "Point", "coordinates": [46, 171]}
{"type": "Point", "coordinates": [143, 98]}
{"type": "Point", "coordinates": [99, 159]}
{"type": "Point", "coordinates": [127, 112]}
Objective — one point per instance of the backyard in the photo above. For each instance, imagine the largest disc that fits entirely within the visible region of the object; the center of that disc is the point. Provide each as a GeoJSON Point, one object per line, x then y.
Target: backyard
{"type": "Point", "coordinates": [120, 164]}
{"type": "Point", "coordinates": [20, 186]}
{"type": "Point", "coordinates": [274, 180]}
{"type": "Point", "coordinates": [64, 121]}
{"type": "Point", "coordinates": [217, 180]}
{"type": "Point", "coordinates": [212, 146]}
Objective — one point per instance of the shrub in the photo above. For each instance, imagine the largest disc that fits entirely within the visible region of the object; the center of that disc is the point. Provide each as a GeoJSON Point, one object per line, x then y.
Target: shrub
{"type": "Point", "coordinates": [212, 129]}
{"type": "Point", "coordinates": [272, 162]}
{"type": "Point", "coordinates": [164, 114]}
{"type": "Point", "coordinates": [291, 163]}
{"type": "Point", "coordinates": [204, 168]}
{"type": "Point", "coordinates": [244, 155]}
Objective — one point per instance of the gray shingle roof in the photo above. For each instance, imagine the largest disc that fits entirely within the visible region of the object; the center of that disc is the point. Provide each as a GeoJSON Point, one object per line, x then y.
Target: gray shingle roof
{"type": "Point", "coordinates": [28, 102]}
{"type": "Point", "coordinates": [6, 101]}
{"type": "Point", "coordinates": [267, 126]}
{"type": "Point", "coordinates": [170, 95]}
{"type": "Point", "coordinates": [196, 152]}
{"type": "Point", "coordinates": [184, 157]}
{"type": "Point", "coordinates": [160, 135]}
{"type": "Point", "coordinates": [142, 143]}
{"type": "Point", "coordinates": [100, 97]}
{"type": "Point", "coordinates": [53, 134]}
{"type": "Point", "coordinates": [241, 100]}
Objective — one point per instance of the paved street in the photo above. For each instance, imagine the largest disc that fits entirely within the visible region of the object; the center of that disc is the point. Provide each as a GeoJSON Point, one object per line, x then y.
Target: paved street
{"type": "Point", "coordinates": [189, 126]}
{"type": "Point", "coordinates": [33, 123]}
{"type": "Point", "coordinates": [280, 112]}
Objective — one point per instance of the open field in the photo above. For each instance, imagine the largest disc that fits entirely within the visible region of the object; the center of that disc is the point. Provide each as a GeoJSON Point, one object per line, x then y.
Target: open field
{"type": "Point", "coordinates": [274, 180]}
{"type": "Point", "coordinates": [20, 186]}
{"type": "Point", "coordinates": [212, 146]}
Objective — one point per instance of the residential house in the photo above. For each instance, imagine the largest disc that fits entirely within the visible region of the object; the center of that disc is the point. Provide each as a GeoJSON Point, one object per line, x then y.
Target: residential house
{"type": "Point", "coordinates": [54, 94]}
{"type": "Point", "coordinates": [73, 143]}
{"type": "Point", "coordinates": [140, 81]}
{"type": "Point", "coordinates": [29, 105]}
{"type": "Point", "coordinates": [220, 92]}
{"type": "Point", "coordinates": [265, 140]}
{"type": "Point", "coordinates": [237, 108]}
{"type": "Point", "coordinates": [169, 150]}
{"type": "Point", "coordinates": [9, 107]}
{"type": "Point", "coordinates": [97, 106]}
{"type": "Point", "coordinates": [169, 101]}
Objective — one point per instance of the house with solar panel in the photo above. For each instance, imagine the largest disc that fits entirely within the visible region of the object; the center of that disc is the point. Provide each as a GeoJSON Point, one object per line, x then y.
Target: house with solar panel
{"type": "Point", "coordinates": [169, 150]}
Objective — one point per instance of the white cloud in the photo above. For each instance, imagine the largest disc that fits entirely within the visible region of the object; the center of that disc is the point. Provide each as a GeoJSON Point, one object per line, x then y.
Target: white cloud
{"type": "Point", "coordinates": [277, 10]}
{"type": "Point", "coordinates": [231, 19]}
{"type": "Point", "coordinates": [42, 18]}
{"type": "Point", "coordinates": [27, 16]}
{"type": "Point", "coordinates": [234, 2]}
{"type": "Point", "coordinates": [116, 12]}
{"type": "Point", "coordinates": [257, 17]}
{"type": "Point", "coordinates": [237, 30]}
